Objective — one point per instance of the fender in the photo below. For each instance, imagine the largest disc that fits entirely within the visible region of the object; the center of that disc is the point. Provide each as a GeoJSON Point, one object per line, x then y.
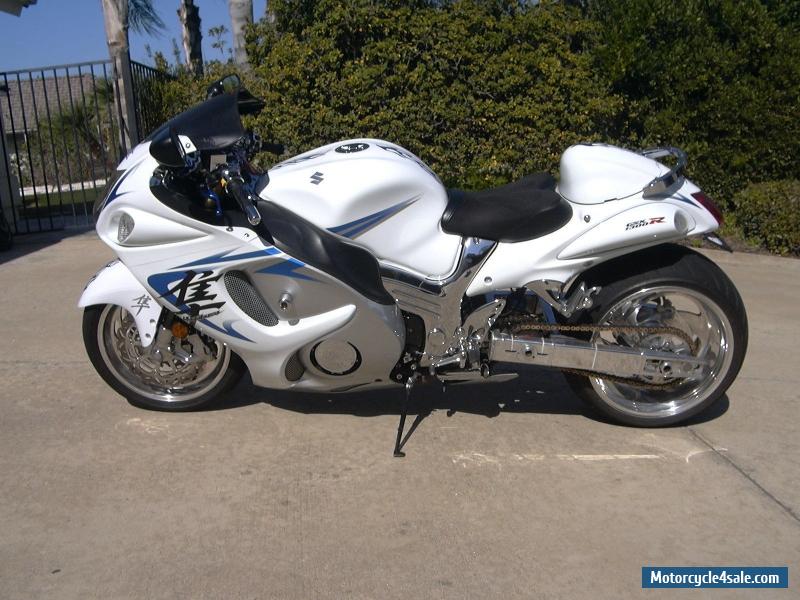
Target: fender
{"type": "Point", "coordinates": [115, 284]}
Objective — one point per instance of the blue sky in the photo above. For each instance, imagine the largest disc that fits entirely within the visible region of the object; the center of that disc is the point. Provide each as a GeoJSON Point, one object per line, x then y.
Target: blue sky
{"type": "Point", "coordinates": [54, 32]}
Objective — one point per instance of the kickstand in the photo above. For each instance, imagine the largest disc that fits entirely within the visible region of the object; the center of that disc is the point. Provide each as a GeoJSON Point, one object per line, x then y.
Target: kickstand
{"type": "Point", "coordinates": [403, 412]}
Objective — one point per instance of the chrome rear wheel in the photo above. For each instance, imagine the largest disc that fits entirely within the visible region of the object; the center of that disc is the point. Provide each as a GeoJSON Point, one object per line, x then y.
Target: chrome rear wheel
{"type": "Point", "coordinates": [668, 306]}
{"type": "Point", "coordinates": [665, 286]}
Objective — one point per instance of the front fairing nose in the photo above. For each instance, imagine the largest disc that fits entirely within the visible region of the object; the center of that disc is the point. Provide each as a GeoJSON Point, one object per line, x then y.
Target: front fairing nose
{"type": "Point", "coordinates": [102, 197]}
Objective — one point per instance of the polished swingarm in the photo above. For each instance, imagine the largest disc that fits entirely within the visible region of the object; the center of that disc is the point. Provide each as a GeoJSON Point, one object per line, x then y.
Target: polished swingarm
{"type": "Point", "coordinates": [568, 353]}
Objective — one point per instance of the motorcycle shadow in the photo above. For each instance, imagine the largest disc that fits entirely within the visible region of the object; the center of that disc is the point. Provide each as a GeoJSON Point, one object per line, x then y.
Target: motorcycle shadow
{"type": "Point", "coordinates": [536, 390]}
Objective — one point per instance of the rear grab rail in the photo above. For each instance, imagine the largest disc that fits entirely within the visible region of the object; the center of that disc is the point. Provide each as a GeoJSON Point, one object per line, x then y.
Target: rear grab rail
{"type": "Point", "coordinates": [661, 184]}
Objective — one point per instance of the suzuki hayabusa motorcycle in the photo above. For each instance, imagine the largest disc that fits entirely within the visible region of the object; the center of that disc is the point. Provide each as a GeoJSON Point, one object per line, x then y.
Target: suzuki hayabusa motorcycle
{"type": "Point", "coordinates": [351, 267]}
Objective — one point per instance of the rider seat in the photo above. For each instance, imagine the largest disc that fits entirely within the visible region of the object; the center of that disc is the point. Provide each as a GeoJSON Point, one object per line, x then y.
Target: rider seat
{"type": "Point", "coordinates": [519, 211]}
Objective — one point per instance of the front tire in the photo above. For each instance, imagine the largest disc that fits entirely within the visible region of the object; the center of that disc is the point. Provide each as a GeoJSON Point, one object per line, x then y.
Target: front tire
{"type": "Point", "coordinates": [666, 286]}
{"type": "Point", "coordinates": [158, 377]}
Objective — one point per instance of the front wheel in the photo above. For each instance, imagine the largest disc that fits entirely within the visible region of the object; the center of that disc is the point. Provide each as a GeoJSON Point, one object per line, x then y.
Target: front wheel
{"type": "Point", "coordinates": [171, 374]}
{"type": "Point", "coordinates": [687, 291]}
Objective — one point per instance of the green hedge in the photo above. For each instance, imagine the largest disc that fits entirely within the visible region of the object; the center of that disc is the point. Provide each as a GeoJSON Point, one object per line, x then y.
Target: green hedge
{"type": "Point", "coordinates": [482, 95]}
{"type": "Point", "coordinates": [768, 214]}
{"type": "Point", "coordinates": [720, 78]}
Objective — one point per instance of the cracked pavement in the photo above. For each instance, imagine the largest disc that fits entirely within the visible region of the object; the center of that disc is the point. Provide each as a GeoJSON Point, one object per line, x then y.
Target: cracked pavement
{"type": "Point", "coordinates": [509, 490]}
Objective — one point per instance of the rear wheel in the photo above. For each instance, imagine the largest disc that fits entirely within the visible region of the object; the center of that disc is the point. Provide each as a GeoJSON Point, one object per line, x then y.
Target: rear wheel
{"type": "Point", "coordinates": [172, 374]}
{"type": "Point", "coordinates": [687, 292]}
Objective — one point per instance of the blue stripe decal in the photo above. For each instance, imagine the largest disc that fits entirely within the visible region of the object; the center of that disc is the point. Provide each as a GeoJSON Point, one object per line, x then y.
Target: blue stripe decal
{"type": "Point", "coordinates": [682, 198]}
{"type": "Point", "coordinates": [161, 282]}
{"type": "Point", "coordinates": [355, 228]}
{"type": "Point", "coordinates": [115, 193]}
{"type": "Point", "coordinates": [224, 257]}
{"type": "Point", "coordinates": [227, 329]}
{"type": "Point", "coordinates": [287, 268]}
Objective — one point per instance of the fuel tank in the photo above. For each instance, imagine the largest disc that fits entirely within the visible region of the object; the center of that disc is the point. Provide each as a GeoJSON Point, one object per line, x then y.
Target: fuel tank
{"type": "Point", "coordinates": [375, 193]}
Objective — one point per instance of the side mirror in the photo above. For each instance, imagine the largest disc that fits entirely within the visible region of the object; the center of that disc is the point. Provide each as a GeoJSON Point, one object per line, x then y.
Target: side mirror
{"type": "Point", "coordinates": [173, 150]}
{"type": "Point", "coordinates": [229, 84]}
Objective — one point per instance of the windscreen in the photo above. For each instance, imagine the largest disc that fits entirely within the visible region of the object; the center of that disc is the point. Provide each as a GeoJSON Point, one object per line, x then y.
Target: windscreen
{"type": "Point", "coordinates": [211, 125]}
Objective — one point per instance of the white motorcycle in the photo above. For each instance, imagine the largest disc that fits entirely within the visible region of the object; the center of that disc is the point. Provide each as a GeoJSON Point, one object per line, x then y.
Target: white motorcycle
{"type": "Point", "coordinates": [352, 267]}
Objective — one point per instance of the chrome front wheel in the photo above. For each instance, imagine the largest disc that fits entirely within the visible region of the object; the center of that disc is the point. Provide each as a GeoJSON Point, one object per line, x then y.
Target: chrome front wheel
{"type": "Point", "coordinates": [173, 373]}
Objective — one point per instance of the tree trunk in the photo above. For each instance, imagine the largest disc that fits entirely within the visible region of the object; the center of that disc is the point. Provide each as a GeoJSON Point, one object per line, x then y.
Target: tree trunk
{"type": "Point", "coordinates": [241, 12]}
{"type": "Point", "coordinates": [189, 16]}
{"type": "Point", "coordinates": [115, 16]}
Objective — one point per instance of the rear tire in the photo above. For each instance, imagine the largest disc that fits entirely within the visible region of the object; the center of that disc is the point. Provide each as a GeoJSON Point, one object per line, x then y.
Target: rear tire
{"type": "Point", "coordinates": [110, 336]}
{"type": "Point", "coordinates": [690, 292]}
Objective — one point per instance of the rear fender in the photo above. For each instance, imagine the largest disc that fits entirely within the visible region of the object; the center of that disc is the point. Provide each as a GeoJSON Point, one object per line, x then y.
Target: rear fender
{"type": "Point", "coordinates": [115, 284]}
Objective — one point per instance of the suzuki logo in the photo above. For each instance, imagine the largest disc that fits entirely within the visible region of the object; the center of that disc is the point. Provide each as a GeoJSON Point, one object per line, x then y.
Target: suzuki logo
{"type": "Point", "coordinates": [316, 178]}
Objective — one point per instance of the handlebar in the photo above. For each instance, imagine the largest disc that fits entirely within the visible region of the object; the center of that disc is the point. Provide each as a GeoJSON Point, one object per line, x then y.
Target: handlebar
{"type": "Point", "coordinates": [236, 187]}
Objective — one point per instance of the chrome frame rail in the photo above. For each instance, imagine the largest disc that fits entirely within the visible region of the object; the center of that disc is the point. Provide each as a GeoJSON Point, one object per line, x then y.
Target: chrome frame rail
{"type": "Point", "coordinates": [438, 302]}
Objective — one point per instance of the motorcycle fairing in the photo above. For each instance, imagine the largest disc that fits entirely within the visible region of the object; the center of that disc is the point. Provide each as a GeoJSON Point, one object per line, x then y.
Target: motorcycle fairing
{"type": "Point", "coordinates": [343, 260]}
{"type": "Point", "coordinates": [186, 274]}
{"type": "Point", "coordinates": [322, 308]}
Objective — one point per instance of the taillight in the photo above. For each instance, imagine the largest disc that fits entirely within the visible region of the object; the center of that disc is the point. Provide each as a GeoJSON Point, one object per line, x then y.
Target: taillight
{"type": "Point", "coordinates": [709, 205]}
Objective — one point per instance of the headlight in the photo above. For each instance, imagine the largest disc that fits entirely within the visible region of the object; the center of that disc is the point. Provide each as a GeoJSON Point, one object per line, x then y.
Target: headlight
{"type": "Point", "coordinates": [125, 227]}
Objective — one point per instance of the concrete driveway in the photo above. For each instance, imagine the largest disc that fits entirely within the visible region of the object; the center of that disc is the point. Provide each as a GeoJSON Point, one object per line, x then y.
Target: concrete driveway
{"type": "Point", "coordinates": [511, 490]}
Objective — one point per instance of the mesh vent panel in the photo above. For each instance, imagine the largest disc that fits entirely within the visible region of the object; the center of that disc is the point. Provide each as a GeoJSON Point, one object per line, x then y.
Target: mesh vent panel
{"type": "Point", "coordinates": [248, 299]}
{"type": "Point", "coordinates": [294, 368]}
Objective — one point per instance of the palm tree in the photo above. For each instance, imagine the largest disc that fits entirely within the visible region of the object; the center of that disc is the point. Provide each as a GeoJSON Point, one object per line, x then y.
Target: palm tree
{"type": "Point", "coordinates": [189, 16]}
{"type": "Point", "coordinates": [241, 12]}
{"type": "Point", "coordinates": [119, 16]}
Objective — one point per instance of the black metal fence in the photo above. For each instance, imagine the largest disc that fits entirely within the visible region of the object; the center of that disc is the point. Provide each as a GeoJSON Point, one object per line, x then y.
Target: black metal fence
{"type": "Point", "coordinates": [149, 113]}
{"type": "Point", "coordinates": [62, 133]}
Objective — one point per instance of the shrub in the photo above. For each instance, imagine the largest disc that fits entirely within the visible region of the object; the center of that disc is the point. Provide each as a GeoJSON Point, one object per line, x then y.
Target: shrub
{"type": "Point", "coordinates": [482, 91]}
{"type": "Point", "coordinates": [769, 214]}
{"type": "Point", "coordinates": [720, 78]}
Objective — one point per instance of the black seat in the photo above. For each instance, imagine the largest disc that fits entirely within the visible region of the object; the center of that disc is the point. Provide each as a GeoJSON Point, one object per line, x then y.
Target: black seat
{"type": "Point", "coordinates": [523, 210]}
